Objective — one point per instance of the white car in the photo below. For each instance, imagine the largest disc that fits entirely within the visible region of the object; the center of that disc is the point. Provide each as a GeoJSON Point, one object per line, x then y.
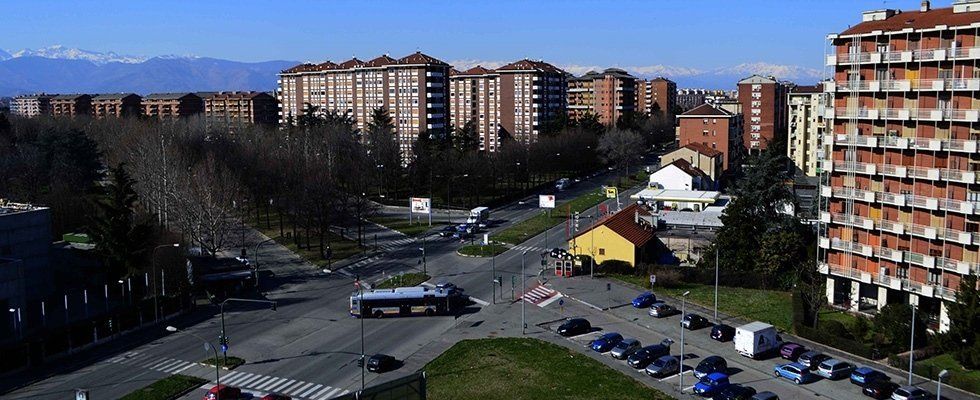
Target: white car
{"type": "Point", "coordinates": [910, 393]}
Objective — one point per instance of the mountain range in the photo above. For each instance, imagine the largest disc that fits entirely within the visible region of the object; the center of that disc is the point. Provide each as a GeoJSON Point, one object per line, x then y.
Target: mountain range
{"type": "Point", "coordinates": [60, 69]}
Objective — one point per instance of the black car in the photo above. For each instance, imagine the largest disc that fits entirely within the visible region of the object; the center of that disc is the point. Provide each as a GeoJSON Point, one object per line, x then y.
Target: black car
{"type": "Point", "coordinates": [735, 392]}
{"type": "Point", "coordinates": [574, 326]}
{"type": "Point", "coordinates": [380, 363]}
{"type": "Point", "coordinates": [722, 332]}
{"type": "Point", "coordinates": [447, 231]}
{"type": "Point", "coordinates": [879, 389]}
{"type": "Point", "coordinates": [710, 365]}
{"type": "Point", "coordinates": [693, 321]}
{"type": "Point", "coordinates": [643, 357]}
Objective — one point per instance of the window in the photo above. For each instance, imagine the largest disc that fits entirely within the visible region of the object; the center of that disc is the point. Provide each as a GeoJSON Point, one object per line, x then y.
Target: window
{"type": "Point", "coordinates": [602, 251]}
{"type": "Point", "coordinates": [902, 272]}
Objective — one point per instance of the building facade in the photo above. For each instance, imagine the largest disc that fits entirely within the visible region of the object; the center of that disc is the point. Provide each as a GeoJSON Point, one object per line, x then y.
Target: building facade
{"type": "Point", "coordinates": [25, 241]}
{"type": "Point", "coordinates": [806, 128]}
{"type": "Point", "coordinates": [116, 105]}
{"type": "Point", "coordinates": [231, 109]}
{"type": "Point", "coordinates": [609, 95]}
{"type": "Point", "coordinates": [656, 95]}
{"type": "Point", "coordinates": [31, 105]}
{"type": "Point", "coordinates": [172, 105]}
{"type": "Point", "coordinates": [714, 128]}
{"type": "Point", "coordinates": [71, 105]}
{"type": "Point", "coordinates": [764, 106]}
{"type": "Point", "coordinates": [704, 158]}
{"type": "Point", "coordinates": [474, 97]}
{"type": "Point", "coordinates": [900, 196]}
{"type": "Point", "coordinates": [414, 89]}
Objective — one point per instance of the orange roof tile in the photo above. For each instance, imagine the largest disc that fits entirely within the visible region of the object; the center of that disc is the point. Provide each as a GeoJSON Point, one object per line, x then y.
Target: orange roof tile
{"type": "Point", "coordinates": [917, 20]}
{"type": "Point", "coordinates": [624, 224]}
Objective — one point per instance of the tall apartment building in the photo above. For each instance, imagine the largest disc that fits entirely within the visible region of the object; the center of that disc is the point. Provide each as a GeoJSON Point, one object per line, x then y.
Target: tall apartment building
{"type": "Point", "coordinates": [806, 128]}
{"type": "Point", "coordinates": [901, 199]}
{"type": "Point", "coordinates": [609, 94]}
{"type": "Point", "coordinates": [116, 105]}
{"type": "Point", "coordinates": [414, 89]}
{"type": "Point", "coordinates": [658, 94]}
{"type": "Point", "coordinates": [715, 128]}
{"type": "Point", "coordinates": [71, 105]}
{"type": "Point", "coordinates": [231, 109]}
{"type": "Point", "coordinates": [474, 96]}
{"type": "Point", "coordinates": [172, 105]}
{"type": "Point", "coordinates": [764, 104]}
{"type": "Point", "coordinates": [30, 106]}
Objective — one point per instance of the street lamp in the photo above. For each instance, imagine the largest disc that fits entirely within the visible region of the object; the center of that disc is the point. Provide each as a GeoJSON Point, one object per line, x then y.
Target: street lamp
{"type": "Point", "coordinates": [523, 288]}
{"type": "Point", "coordinates": [939, 383]}
{"type": "Point", "coordinates": [15, 315]}
{"type": "Point", "coordinates": [680, 372]}
{"type": "Point", "coordinates": [912, 340]}
{"type": "Point", "coordinates": [156, 304]}
{"type": "Point", "coordinates": [217, 368]}
{"type": "Point", "coordinates": [716, 284]}
{"type": "Point", "coordinates": [256, 255]}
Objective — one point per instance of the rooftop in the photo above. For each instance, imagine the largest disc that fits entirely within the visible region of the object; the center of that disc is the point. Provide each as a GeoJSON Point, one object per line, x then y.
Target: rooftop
{"type": "Point", "coordinates": [9, 207]}
{"type": "Point", "coordinates": [916, 19]}
{"type": "Point", "coordinates": [689, 169]}
{"type": "Point", "coordinates": [693, 196]}
{"type": "Point", "coordinates": [705, 110]}
{"type": "Point", "coordinates": [381, 61]}
{"type": "Point", "coordinates": [627, 224]}
{"type": "Point", "coordinates": [168, 96]}
{"type": "Point", "coordinates": [703, 149]}
{"type": "Point", "coordinates": [113, 96]}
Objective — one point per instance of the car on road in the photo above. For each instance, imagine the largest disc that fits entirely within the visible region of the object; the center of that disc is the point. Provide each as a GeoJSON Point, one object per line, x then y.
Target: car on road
{"type": "Point", "coordinates": [558, 252]}
{"type": "Point", "coordinates": [223, 392]}
{"type": "Point", "coordinates": [448, 287]}
{"type": "Point", "coordinates": [606, 342]}
{"type": "Point", "coordinates": [644, 300]}
{"type": "Point", "coordinates": [812, 359]}
{"type": "Point", "coordinates": [381, 363]}
{"type": "Point", "coordinates": [574, 326]}
{"type": "Point", "coordinates": [722, 332]}
{"type": "Point", "coordinates": [794, 372]}
{"type": "Point", "coordinates": [643, 357]}
{"type": "Point", "coordinates": [711, 384]}
{"type": "Point", "coordinates": [562, 184]}
{"type": "Point", "coordinates": [834, 369]}
{"type": "Point", "coordinates": [662, 310]}
{"type": "Point", "coordinates": [624, 348]}
{"type": "Point", "coordinates": [865, 375]}
{"type": "Point", "coordinates": [791, 351]}
{"type": "Point", "coordinates": [710, 365]}
{"type": "Point", "coordinates": [664, 366]}
{"type": "Point", "coordinates": [767, 395]}
{"type": "Point", "coordinates": [879, 389]}
{"type": "Point", "coordinates": [276, 396]}
{"type": "Point", "coordinates": [910, 393]}
{"type": "Point", "coordinates": [693, 322]}
{"type": "Point", "coordinates": [735, 392]}
{"type": "Point", "coordinates": [447, 231]}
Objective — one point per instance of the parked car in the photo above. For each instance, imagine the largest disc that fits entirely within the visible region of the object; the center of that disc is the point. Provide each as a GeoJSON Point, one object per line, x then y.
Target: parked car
{"type": "Point", "coordinates": [767, 395]}
{"type": "Point", "coordinates": [735, 392]}
{"type": "Point", "coordinates": [574, 326]}
{"type": "Point", "coordinates": [276, 396]}
{"type": "Point", "coordinates": [447, 231]}
{"type": "Point", "coordinates": [722, 332]}
{"type": "Point", "coordinates": [624, 348]}
{"type": "Point", "coordinates": [812, 359]}
{"type": "Point", "coordinates": [834, 369]}
{"type": "Point", "coordinates": [661, 310]}
{"type": "Point", "coordinates": [710, 365]}
{"type": "Point", "coordinates": [644, 300]}
{"type": "Point", "coordinates": [223, 392]}
{"type": "Point", "coordinates": [791, 351]}
{"type": "Point", "coordinates": [865, 375]}
{"type": "Point", "coordinates": [380, 363]}
{"type": "Point", "coordinates": [879, 389]}
{"type": "Point", "coordinates": [606, 342]}
{"type": "Point", "coordinates": [910, 393]}
{"type": "Point", "coordinates": [643, 357]}
{"type": "Point", "coordinates": [794, 372]}
{"type": "Point", "coordinates": [664, 366]}
{"type": "Point", "coordinates": [693, 321]}
{"type": "Point", "coordinates": [711, 384]}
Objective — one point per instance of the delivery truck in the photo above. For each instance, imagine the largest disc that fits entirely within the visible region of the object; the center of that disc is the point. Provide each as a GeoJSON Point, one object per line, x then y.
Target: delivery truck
{"type": "Point", "coordinates": [756, 339]}
{"type": "Point", "coordinates": [479, 217]}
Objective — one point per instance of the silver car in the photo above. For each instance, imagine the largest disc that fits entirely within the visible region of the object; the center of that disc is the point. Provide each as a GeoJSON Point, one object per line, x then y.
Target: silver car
{"type": "Point", "coordinates": [661, 309]}
{"type": "Point", "coordinates": [625, 348]}
{"type": "Point", "coordinates": [835, 369]}
{"type": "Point", "coordinates": [663, 366]}
{"type": "Point", "coordinates": [910, 393]}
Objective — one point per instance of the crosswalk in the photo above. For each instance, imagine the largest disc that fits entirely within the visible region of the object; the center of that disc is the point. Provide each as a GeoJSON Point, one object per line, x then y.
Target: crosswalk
{"type": "Point", "coordinates": [143, 360]}
{"type": "Point", "coordinates": [394, 244]}
{"type": "Point", "coordinates": [530, 249]}
{"type": "Point", "coordinates": [541, 296]}
{"type": "Point", "coordinates": [259, 385]}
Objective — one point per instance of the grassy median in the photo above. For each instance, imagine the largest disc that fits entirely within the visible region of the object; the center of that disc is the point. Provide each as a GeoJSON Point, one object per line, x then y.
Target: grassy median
{"type": "Point", "coordinates": [401, 224]}
{"type": "Point", "coordinates": [403, 280]}
{"type": "Point", "coordinates": [537, 224]}
{"type": "Point", "coordinates": [167, 388]}
{"type": "Point", "coordinates": [513, 368]}
{"type": "Point", "coordinates": [341, 246]}
{"type": "Point", "coordinates": [478, 250]}
{"type": "Point", "coordinates": [224, 362]}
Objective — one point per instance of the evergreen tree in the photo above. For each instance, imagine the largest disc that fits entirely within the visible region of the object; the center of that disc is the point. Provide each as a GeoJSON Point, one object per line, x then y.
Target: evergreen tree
{"type": "Point", "coordinates": [590, 123]}
{"type": "Point", "coordinates": [963, 338]}
{"type": "Point", "coordinates": [466, 139]}
{"type": "Point", "coordinates": [382, 145]}
{"type": "Point", "coordinates": [119, 237]}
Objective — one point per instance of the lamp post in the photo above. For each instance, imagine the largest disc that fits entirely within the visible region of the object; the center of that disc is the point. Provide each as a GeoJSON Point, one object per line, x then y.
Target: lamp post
{"type": "Point", "coordinates": [716, 284]}
{"type": "Point", "coordinates": [360, 312]}
{"type": "Point", "coordinates": [680, 372]}
{"type": "Point", "coordinates": [156, 303]}
{"type": "Point", "coordinates": [493, 276]}
{"type": "Point", "coordinates": [256, 255]}
{"type": "Point", "coordinates": [223, 340]}
{"type": "Point", "coordinates": [381, 178]}
{"type": "Point", "coordinates": [939, 383]}
{"type": "Point", "coordinates": [523, 288]}
{"type": "Point", "coordinates": [912, 342]}
{"type": "Point", "coordinates": [15, 315]}
{"type": "Point", "coordinates": [217, 368]}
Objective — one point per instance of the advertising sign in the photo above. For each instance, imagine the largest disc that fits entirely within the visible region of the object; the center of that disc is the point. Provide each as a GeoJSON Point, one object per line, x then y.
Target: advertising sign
{"type": "Point", "coordinates": [421, 205]}
{"type": "Point", "coordinates": [546, 201]}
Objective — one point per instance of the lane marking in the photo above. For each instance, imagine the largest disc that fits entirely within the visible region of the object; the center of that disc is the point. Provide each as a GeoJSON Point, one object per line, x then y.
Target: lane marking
{"type": "Point", "coordinates": [310, 390]}
{"type": "Point", "coordinates": [480, 302]}
{"type": "Point", "coordinates": [551, 300]}
{"type": "Point", "coordinates": [298, 390]}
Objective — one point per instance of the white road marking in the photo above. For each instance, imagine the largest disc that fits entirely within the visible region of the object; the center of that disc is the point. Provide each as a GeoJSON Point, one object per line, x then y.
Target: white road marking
{"type": "Point", "coordinates": [271, 383]}
{"type": "Point", "coordinates": [181, 369]}
{"type": "Point", "coordinates": [280, 387]}
{"type": "Point", "coordinates": [171, 369]}
{"type": "Point", "coordinates": [551, 300]}
{"type": "Point", "coordinates": [318, 394]}
{"type": "Point", "coordinates": [480, 302]}
{"type": "Point", "coordinates": [310, 390]}
{"type": "Point", "coordinates": [248, 381]}
{"type": "Point", "coordinates": [298, 390]}
{"type": "Point", "coordinates": [238, 379]}
{"type": "Point", "coordinates": [262, 381]}
{"type": "Point", "coordinates": [332, 393]}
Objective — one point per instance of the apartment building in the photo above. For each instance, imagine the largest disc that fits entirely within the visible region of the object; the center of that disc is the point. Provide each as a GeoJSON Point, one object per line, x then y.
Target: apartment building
{"type": "Point", "coordinates": [30, 106]}
{"type": "Point", "coordinates": [764, 104]}
{"type": "Point", "coordinates": [71, 105]}
{"type": "Point", "coordinates": [609, 95]}
{"type": "Point", "coordinates": [715, 128]}
{"type": "Point", "coordinates": [656, 95]}
{"type": "Point", "coordinates": [806, 128]}
{"type": "Point", "coordinates": [414, 89]}
{"type": "Point", "coordinates": [900, 196]}
{"type": "Point", "coordinates": [231, 109]}
{"type": "Point", "coordinates": [172, 105]}
{"type": "Point", "coordinates": [699, 156]}
{"type": "Point", "coordinates": [116, 105]}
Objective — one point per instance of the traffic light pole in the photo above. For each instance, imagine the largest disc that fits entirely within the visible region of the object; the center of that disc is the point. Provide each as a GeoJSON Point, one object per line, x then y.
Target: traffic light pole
{"type": "Point", "coordinates": [223, 339]}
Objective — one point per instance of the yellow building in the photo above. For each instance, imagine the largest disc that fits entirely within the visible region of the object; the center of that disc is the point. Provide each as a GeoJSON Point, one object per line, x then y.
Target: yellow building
{"type": "Point", "coordinates": [624, 236]}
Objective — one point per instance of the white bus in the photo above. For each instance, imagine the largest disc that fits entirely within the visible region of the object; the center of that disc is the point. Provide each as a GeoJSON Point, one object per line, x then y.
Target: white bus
{"type": "Point", "coordinates": [403, 301]}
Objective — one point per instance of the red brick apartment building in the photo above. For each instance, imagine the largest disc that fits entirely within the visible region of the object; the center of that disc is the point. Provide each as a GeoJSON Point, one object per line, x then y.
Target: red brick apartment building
{"type": "Point", "coordinates": [116, 105]}
{"type": "Point", "coordinates": [71, 105]}
{"type": "Point", "coordinates": [609, 94]}
{"type": "Point", "coordinates": [715, 128]}
{"type": "Point", "coordinates": [763, 102]}
{"type": "Point", "coordinates": [658, 94]}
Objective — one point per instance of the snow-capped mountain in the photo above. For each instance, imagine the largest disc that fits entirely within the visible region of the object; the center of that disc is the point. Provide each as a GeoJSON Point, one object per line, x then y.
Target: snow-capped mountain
{"type": "Point", "coordinates": [4, 55]}
{"type": "Point", "coordinates": [60, 52]}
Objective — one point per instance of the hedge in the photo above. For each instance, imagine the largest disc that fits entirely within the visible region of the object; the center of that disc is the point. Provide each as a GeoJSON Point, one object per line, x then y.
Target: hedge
{"type": "Point", "coordinates": [819, 336]}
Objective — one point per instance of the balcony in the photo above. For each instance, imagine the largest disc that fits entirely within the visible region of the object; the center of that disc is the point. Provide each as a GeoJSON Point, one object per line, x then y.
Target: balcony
{"type": "Point", "coordinates": [856, 140]}
{"type": "Point", "coordinates": [852, 273]}
{"type": "Point", "coordinates": [895, 113]}
{"type": "Point", "coordinates": [926, 144]}
{"type": "Point", "coordinates": [894, 142]}
{"type": "Point", "coordinates": [896, 56]}
{"type": "Point", "coordinates": [889, 254]}
{"type": "Point", "coordinates": [896, 85]}
{"type": "Point", "coordinates": [963, 84]}
{"type": "Point", "coordinates": [851, 247]}
{"type": "Point", "coordinates": [858, 86]}
{"type": "Point", "coordinates": [958, 206]}
{"type": "Point", "coordinates": [854, 194]}
{"type": "Point", "coordinates": [885, 280]}
{"type": "Point", "coordinates": [921, 231]}
{"type": "Point", "coordinates": [923, 202]}
{"type": "Point", "coordinates": [853, 167]}
{"type": "Point", "coordinates": [920, 259]}
{"type": "Point", "coordinates": [956, 175]}
{"type": "Point", "coordinates": [961, 115]}
{"type": "Point", "coordinates": [927, 114]}
{"type": "Point", "coordinates": [957, 236]}
{"type": "Point", "coordinates": [967, 146]}
{"type": "Point", "coordinates": [947, 264]}
{"type": "Point", "coordinates": [924, 173]}
{"type": "Point", "coordinates": [856, 221]}
{"type": "Point", "coordinates": [897, 171]}
{"type": "Point", "coordinates": [854, 58]}
{"type": "Point", "coordinates": [929, 55]}
{"type": "Point", "coordinates": [825, 191]}
{"type": "Point", "coordinates": [944, 293]}
{"type": "Point", "coordinates": [891, 226]}
{"type": "Point", "coordinates": [963, 53]}
{"type": "Point", "coordinates": [894, 199]}
{"type": "Point", "coordinates": [857, 113]}
{"type": "Point", "coordinates": [929, 85]}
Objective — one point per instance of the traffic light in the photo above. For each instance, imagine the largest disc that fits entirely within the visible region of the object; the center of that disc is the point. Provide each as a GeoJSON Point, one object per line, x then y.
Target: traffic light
{"type": "Point", "coordinates": [274, 305]}
{"type": "Point", "coordinates": [360, 362]}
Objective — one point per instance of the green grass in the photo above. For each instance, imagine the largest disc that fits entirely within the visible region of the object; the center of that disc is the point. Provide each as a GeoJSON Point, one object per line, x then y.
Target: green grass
{"type": "Point", "coordinates": [403, 280]}
{"type": "Point", "coordinates": [770, 306]}
{"type": "Point", "coordinates": [402, 225]}
{"type": "Point", "coordinates": [342, 248]}
{"type": "Point", "coordinates": [838, 315]}
{"type": "Point", "coordinates": [513, 368]}
{"type": "Point", "coordinates": [531, 227]}
{"type": "Point", "coordinates": [229, 363]}
{"type": "Point", "coordinates": [481, 250]}
{"type": "Point", "coordinates": [960, 377]}
{"type": "Point", "coordinates": [167, 388]}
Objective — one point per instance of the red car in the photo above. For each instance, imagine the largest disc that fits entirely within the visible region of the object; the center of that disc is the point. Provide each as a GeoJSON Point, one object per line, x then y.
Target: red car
{"type": "Point", "coordinates": [223, 392]}
{"type": "Point", "coordinates": [273, 396]}
{"type": "Point", "coordinates": [791, 351]}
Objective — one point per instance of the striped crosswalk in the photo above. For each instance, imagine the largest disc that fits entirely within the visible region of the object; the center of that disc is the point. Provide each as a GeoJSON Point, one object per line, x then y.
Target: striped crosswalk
{"type": "Point", "coordinates": [259, 385]}
{"type": "Point", "coordinates": [142, 360]}
{"type": "Point", "coordinates": [530, 249]}
{"type": "Point", "coordinates": [541, 296]}
{"type": "Point", "coordinates": [394, 244]}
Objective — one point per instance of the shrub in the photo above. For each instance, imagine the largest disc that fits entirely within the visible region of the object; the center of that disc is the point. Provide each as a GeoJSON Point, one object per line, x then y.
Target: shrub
{"type": "Point", "coordinates": [617, 267]}
{"type": "Point", "coordinates": [820, 336]}
{"type": "Point", "coordinates": [835, 328]}
{"type": "Point", "coordinates": [859, 328]}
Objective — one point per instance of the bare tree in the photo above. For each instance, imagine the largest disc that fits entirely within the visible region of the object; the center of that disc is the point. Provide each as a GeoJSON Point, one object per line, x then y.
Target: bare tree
{"type": "Point", "coordinates": [620, 148]}
{"type": "Point", "coordinates": [203, 205]}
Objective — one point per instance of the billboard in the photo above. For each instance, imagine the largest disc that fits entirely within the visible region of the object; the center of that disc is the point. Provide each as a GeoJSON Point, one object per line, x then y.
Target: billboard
{"type": "Point", "coordinates": [546, 201]}
{"type": "Point", "coordinates": [421, 205]}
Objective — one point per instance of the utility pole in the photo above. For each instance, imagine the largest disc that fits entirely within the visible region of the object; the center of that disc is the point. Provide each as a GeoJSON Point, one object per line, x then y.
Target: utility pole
{"type": "Point", "coordinates": [912, 344]}
{"type": "Point", "coordinates": [256, 255]}
{"type": "Point", "coordinates": [156, 303]}
{"type": "Point", "coordinates": [716, 283]}
{"type": "Point", "coordinates": [217, 367]}
{"type": "Point", "coordinates": [680, 372]}
{"type": "Point", "coordinates": [223, 340]}
{"type": "Point", "coordinates": [360, 312]}
{"type": "Point", "coordinates": [523, 288]}
{"type": "Point", "coordinates": [493, 276]}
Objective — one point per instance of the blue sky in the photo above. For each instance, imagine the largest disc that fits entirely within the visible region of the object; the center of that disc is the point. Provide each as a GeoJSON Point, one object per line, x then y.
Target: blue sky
{"type": "Point", "coordinates": [681, 33]}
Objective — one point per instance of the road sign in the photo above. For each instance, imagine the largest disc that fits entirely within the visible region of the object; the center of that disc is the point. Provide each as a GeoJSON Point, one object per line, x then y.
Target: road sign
{"type": "Point", "coordinates": [224, 348]}
{"type": "Point", "coordinates": [561, 302]}
{"type": "Point", "coordinates": [421, 205]}
{"type": "Point", "coordinates": [81, 394]}
{"type": "Point", "coordinates": [653, 279]}
{"type": "Point", "coordinates": [546, 201]}
{"type": "Point", "coordinates": [612, 192]}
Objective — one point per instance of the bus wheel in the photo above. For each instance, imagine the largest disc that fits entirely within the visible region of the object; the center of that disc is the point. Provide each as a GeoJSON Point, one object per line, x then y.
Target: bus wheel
{"type": "Point", "coordinates": [379, 314]}
{"type": "Point", "coordinates": [429, 312]}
